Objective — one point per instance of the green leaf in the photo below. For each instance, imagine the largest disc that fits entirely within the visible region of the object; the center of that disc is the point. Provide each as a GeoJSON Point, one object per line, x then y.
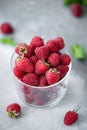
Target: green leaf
{"type": "Point", "coordinates": [78, 51]}
{"type": "Point", "coordinates": [8, 41]}
{"type": "Point", "coordinates": [84, 2]}
{"type": "Point", "coordinates": [67, 2]}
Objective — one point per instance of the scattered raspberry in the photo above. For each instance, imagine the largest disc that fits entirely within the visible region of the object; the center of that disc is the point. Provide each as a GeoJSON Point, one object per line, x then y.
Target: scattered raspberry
{"type": "Point", "coordinates": [41, 67]}
{"type": "Point", "coordinates": [70, 117]}
{"type": "Point", "coordinates": [43, 81]}
{"type": "Point", "coordinates": [6, 28]}
{"type": "Point", "coordinates": [33, 59]}
{"type": "Point", "coordinates": [52, 76]}
{"type": "Point", "coordinates": [13, 110]}
{"type": "Point", "coordinates": [18, 73]}
{"type": "Point", "coordinates": [53, 46]}
{"type": "Point", "coordinates": [63, 69]}
{"type": "Point", "coordinates": [36, 42]}
{"type": "Point", "coordinates": [60, 42]}
{"type": "Point", "coordinates": [24, 49]}
{"type": "Point", "coordinates": [42, 52]}
{"type": "Point", "coordinates": [54, 59]}
{"type": "Point", "coordinates": [31, 79]}
{"type": "Point", "coordinates": [76, 10]}
{"type": "Point", "coordinates": [24, 64]}
{"type": "Point", "coordinates": [65, 59]}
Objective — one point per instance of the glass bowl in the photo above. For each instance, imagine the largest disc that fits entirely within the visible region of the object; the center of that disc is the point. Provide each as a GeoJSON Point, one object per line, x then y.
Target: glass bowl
{"type": "Point", "coordinates": [37, 96]}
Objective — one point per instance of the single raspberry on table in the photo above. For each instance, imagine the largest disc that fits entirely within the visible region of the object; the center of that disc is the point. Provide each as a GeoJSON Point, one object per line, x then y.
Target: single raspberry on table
{"type": "Point", "coordinates": [63, 69]}
{"type": "Point", "coordinates": [65, 59]}
{"type": "Point", "coordinates": [36, 42]}
{"type": "Point", "coordinates": [60, 42]}
{"type": "Point", "coordinates": [13, 110]}
{"type": "Point", "coordinates": [43, 81]}
{"type": "Point", "coordinates": [18, 72]}
{"type": "Point", "coordinates": [54, 59]}
{"type": "Point", "coordinates": [52, 76]}
{"type": "Point", "coordinates": [41, 67]}
{"type": "Point", "coordinates": [6, 28]}
{"type": "Point", "coordinates": [24, 64]}
{"type": "Point", "coordinates": [76, 10]}
{"type": "Point", "coordinates": [42, 52]}
{"type": "Point", "coordinates": [31, 79]}
{"type": "Point", "coordinates": [24, 49]}
{"type": "Point", "coordinates": [70, 117]}
{"type": "Point", "coordinates": [52, 45]}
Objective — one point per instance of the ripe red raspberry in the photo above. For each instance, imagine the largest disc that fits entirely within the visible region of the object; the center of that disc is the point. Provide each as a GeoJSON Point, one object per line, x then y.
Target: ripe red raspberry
{"type": "Point", "coordinates": [52, 45]}
{"type": "Point", "coordinates": [54, 59]}
{"type": "Point", "coordinates": [52, 76]}
{"type": "Point", "coordinates": [42, 52]}
{"type": "Point", "coordinates": [65, 59]}
{"type": "Point", "coordinates": [76, 10]}
{"type": "Point", "coordinates": [24, 49]}
{"type": "Point", "coordinates": [36, 42]}
{"type": "Point", "coordinates": [60, 42]}
{"type": "Point", "coordinates": [33, 59]}
{"type": "Point", "coordinates": [13, 110]}
{"type": "Point", "coordinates": [41, 67]}
{"type": "Point", "coordinates": [31, 79]}
{"type": "Point", "coordinates": [63, 69]}
{"type": "Point", "coordinates": [6, 28]}
{"type": "Point", "coordinates": [43, 81]}
{"type": "Point", "coordinates": [42, 100]}
{"type": "Point", "coordinates": [24, 64]}
{"type": "Point", "coordinates": [18, 72]}
{"type": "Point", "coordinates": [26, 90]}
{"type": "Point", "coordinates": [70, 117]}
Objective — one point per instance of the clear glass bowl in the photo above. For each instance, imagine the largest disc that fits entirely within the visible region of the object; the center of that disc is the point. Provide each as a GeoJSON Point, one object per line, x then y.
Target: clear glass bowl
{"type": "Point", "coordinates": [46, 96]}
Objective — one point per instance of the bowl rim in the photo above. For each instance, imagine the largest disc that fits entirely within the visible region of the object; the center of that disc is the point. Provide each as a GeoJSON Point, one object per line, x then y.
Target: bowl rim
{"type": "Point", "coordinates": [41, 87]}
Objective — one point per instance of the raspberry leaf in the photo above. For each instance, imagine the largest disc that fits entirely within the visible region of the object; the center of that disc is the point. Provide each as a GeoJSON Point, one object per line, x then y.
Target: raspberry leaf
{"type": "Point", "coordinates": [78, 51]}
{"type": "Point", "coordinates": [8, 41]}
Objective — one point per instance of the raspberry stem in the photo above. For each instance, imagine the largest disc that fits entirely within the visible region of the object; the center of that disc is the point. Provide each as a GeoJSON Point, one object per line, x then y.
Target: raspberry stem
{"type": "Point", "coordinates": [77, 108]}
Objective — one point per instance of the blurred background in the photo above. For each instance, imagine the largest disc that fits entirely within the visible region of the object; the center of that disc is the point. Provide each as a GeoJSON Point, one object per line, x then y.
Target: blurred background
{"type": "Point", "coordinates": [48, 19]}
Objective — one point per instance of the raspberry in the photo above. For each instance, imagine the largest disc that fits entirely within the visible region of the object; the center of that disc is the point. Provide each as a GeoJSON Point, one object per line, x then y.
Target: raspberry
{"type": "Point", "coordinates": [76, 10]}
{"type": "Point", "coordinates": [6, 28]}
{"type": "Point", "coordinates": [18, 72]}
{"type": "Point", "coordinates": [24, 49]}
{"type": "Point", "coordinates": [24, 64]}
{"type": "Point", "coordinates": [65, 59]}
{"type": "Point", "coordinates": [26, 89]}
{"type": "Point", "coordinates": [33, 59]}
{"type": "Point", "coordinates": [52, 76]}
{"type": "Point", "coordinates": [31, 79]}
{"type": "Point", "coordinates": [36, 42]}
{"type": "Point", "coordinates": [13, 110]}
{"type": "Point", "coordinates": [70, 117]}
{"type": "Point", "coordinates": [42, 52]}
{"type": "Point", "coordinates": [60, 42]}
{"type": "Point", "coordinates": [42, 100]}
{"type": "Point", "coordinates": [52, 45]}
{"type": "Point", "coordinates": [43, 81]}
{"type": "Point", "coordinates": [41, 67]}
{"type": "Point", "coordinates": [54, 59]}
{"type": "Point", "coordinates": [29, 98]}
{"type": "Point", "coordinates": [63, 69]}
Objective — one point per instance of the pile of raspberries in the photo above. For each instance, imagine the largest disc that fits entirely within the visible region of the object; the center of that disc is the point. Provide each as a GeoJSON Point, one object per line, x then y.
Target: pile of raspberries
{"type": "Point", "coordinates": [40, 64]}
